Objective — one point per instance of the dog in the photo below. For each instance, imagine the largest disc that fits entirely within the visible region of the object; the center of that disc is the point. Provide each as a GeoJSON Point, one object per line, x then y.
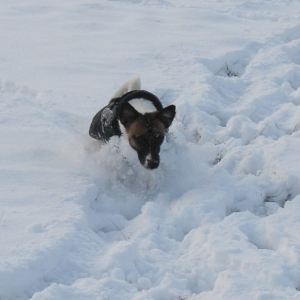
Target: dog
{"type": "Point", "coordinates": [143, 121]}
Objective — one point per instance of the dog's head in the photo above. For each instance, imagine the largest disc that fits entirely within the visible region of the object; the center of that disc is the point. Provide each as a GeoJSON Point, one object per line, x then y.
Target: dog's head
{"type": "Point", "coordinates": [146, 132]}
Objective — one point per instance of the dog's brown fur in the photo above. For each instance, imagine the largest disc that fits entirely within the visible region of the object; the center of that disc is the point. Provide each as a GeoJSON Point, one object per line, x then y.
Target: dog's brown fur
{"type": "Point", "coordinates": [146, 132]}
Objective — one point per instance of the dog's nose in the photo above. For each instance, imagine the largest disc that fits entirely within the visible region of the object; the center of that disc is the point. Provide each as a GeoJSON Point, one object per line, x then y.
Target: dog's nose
{"type": "Point", "coordinates": [152, 163]}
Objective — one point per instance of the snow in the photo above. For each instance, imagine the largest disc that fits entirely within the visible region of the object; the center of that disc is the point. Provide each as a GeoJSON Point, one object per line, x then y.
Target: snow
{"type": "Point", "coordinates": [219, 218]}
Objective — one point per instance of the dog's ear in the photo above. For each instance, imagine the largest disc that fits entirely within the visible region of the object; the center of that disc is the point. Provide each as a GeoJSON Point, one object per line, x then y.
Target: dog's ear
{"type": "Point", "coordinates": [127, 114]}
{"type": "Point", "coordinates": [167, 115]}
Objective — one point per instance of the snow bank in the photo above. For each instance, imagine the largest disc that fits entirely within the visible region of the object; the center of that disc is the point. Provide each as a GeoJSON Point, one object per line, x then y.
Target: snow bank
{"type": "Point", "coordinates": [219, 219]}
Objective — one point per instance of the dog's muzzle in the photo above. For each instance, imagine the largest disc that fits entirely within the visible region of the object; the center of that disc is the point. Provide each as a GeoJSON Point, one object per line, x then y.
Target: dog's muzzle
{"type": "Point", "coordinates": [150, 162]}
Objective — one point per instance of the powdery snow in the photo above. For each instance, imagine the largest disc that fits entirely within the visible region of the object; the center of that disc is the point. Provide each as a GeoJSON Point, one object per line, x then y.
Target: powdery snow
{"type": "Point", "coordinates": [220, 217]}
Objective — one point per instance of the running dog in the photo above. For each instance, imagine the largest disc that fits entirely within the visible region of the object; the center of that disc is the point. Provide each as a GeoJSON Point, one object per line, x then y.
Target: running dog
{"type": "Point", "coordinates": [143, 121]}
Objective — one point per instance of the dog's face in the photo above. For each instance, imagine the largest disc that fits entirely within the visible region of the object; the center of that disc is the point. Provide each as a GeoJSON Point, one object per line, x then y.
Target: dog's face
{"type": "Point", "coordinates": [146, 132]}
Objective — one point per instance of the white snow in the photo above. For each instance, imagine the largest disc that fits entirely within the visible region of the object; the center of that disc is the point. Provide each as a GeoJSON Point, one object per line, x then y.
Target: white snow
{"type": "Point", "coordinates": [220, 217]}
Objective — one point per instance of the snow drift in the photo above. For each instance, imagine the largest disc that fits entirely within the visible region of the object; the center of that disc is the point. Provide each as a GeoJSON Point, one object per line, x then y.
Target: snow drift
{"type": "Point", "coordinates": [219, 219]}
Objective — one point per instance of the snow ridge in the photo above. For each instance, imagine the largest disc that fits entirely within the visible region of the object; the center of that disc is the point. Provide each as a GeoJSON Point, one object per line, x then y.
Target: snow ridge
{"type": "Point", "coordinates": [219, 219]}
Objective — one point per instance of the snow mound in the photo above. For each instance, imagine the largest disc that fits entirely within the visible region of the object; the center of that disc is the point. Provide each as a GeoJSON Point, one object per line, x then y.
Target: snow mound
{"type": "Point", "coordinates": [219, 219]}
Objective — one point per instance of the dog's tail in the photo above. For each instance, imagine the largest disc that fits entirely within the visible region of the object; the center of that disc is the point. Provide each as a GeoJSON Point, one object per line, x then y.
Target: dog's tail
{"type": "Point", "coordinates": [132, 84]}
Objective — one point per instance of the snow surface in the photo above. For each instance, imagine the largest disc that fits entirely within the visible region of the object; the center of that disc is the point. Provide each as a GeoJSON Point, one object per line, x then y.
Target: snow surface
{"type": "Point", "coordinates": [220, 217]}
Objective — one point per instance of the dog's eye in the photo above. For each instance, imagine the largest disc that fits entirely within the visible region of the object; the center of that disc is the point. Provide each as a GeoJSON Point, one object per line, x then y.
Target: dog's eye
{"type": "Point", "coordinates": [141, 140]}
{"type": "Point", "coordinates": [158, 138]}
